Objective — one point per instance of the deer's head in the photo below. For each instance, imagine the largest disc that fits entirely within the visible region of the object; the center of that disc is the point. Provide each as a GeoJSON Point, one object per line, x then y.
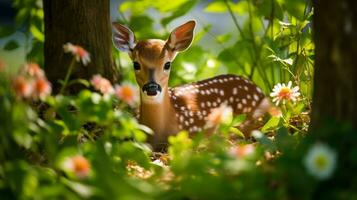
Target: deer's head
{"type": "Point", "coordinates": [152, 58]}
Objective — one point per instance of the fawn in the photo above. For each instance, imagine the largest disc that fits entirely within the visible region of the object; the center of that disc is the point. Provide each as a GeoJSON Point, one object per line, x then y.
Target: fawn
{"type": "Point", "coordinates": [168, 110]}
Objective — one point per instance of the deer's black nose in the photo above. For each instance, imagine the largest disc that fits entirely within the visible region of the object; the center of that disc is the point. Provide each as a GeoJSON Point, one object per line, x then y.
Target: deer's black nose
{"type": "Point", "coordinates": [151, 88]}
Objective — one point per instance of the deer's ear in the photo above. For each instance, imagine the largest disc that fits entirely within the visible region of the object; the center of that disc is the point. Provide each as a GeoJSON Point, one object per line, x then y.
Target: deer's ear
{"type": "Point", "coordinates": [181, 38]}
{"type": "Point", "coordinates": [123, 38]}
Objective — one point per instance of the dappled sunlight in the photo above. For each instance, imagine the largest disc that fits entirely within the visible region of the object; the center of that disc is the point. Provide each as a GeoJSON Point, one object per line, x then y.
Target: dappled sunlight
{"type": "Point", "coordinates": [230, 89]}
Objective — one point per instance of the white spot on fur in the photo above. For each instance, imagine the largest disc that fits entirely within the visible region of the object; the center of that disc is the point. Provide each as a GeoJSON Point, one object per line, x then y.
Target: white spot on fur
{"type": "Point", "coordinates": [231, 99]}
{"type": "Point", "coordinates": [239, 106]}
{"type": "Point", "coordinates": [235, 91]}
{"type": "Point", "coordinates": [259, 90]}
{"type": "Point", "coordinates": [254, 103]}
{"type": "Point", "coordinates": [221, 92]}
{"type": "Point", "coordinates": [202, 104]}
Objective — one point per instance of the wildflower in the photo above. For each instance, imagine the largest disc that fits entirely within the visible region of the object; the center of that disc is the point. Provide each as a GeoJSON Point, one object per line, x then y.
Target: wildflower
{"type": "Point", "coordinates": [41, 88]}
{"type": "Point", "coordinates": [158, 162]}
{"type": "Point", "coordinates": [33, 69]}
{"type": "Point", "coordinates": [242, 150]}
{"type": "Point", "coordinates": [79, 165]}
{"type": "Point", "coordinates": [220, 115]}
{"type": "Point", "coordinates": [22, 86]}
{"type": "Point", "coordinates": [126, 93]}
{"type": "Point", "coordinates": [283, 93]}
{"type": "Point", "coordinates": [102, 84]}
{"type": "Point", "coordinates": [78, 51]}
{"type": "Point", "coordinates": [320, 161]}
{"type": "Point", "coordinates": [257, 134]}
{"type": "Point", "coordinates": [275, 112]}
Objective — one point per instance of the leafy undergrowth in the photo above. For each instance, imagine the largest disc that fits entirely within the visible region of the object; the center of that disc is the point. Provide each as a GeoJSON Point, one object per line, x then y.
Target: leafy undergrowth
{"type": "Point", "coordinates": [90, 146]}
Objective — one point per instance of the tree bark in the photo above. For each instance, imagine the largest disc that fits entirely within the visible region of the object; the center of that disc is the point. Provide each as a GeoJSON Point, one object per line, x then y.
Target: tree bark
{"type": "Point", "coordinates": [80, 22]}
{"type": "Point", "coordinates": [335, 81]}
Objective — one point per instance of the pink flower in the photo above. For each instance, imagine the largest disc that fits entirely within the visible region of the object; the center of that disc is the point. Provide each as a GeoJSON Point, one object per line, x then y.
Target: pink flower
{"type": "Point", "coordinates": [126, 93]}
{"type": "Point", "coordinates": [22, 86]}
{"type": "Point", "coordinates": [79, 165]}
{"type": "Point", "coordinates": [77, 51]}
{"type": "Point", "coordinates": [33, 69]}
{"type": "Point", "coordinates": [241, 151]}
{"type": "Point", "coordinates": [275, 112]}
{"type": "Point", "coordinates": [220, 115]}
{"type": "Point", "coordinates": [42, 88]}
{"type": "Point", "coordinates": [102, 84]}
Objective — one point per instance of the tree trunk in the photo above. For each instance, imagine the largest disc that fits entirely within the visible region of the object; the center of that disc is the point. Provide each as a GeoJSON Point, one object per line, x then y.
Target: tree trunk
{"type": "Point", "coordinates": [335, 87]}
{"type": "Point", "coordinates": [80, 22]}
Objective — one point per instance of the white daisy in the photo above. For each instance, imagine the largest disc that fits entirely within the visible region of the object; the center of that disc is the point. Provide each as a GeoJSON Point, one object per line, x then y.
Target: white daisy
{"type": "Point", "coordinates": [283, 93]}
{"type": "Point", "coordinates": [320, 161]}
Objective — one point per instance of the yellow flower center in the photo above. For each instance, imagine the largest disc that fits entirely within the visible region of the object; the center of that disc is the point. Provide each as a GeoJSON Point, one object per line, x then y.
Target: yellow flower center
{"type": "Point", "coordinates": [284, 93]}
{"type": "Point", "coordinates": [321, 162]}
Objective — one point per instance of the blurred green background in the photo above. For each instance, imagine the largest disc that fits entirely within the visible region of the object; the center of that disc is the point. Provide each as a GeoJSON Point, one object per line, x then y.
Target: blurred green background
{"type": "Point", "coordinates": [266, 41]}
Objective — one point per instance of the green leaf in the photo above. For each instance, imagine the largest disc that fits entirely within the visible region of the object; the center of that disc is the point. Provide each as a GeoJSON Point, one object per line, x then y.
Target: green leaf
{"type": "Point", "coordinates": [236, 132]}
{"type": "Point", "coordinates": [264, 140]}
{"type": "Point", "coordinates": [83, 190]}
{"type": "Point", "coordinates": [164, 6]}
{"type": "Point", "coordinates": [78, 81]}
{"type": "Point", "coordinates": [141, 25]}
{"type": "Point", "coordinates": [272, 123]}
{"type": "Point", "coordinates": [23, 15]}
{"type": "Point", "coordinates": [216, 7]}
{"type": "Point", "coordinates": [179, 12]}
{"type": "Point", "coordinates": [238, 119]}
{"type": "Point", "coordinates": [139, 136]}
{"type": "Point", "coordinates": [295, 7]}
{"type": "Point", "coordinates": [268, 9]}
{"type": "Point", "coordinates": [38, 34]}
{"type": "Point", "coordinates": [220, 7]}
{"type": "Point", "coordinates": [224, 38]}
{"type": "Point", "coordinates": [11, 45]}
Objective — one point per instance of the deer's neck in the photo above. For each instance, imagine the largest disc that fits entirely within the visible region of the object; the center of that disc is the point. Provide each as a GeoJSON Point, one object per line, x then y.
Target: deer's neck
{"type": "Point", "coordinates": [159, 116]}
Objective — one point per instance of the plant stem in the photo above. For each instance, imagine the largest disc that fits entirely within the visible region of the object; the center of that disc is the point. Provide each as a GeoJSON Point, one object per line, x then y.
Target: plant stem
{"type": "Point", "coordinates": [234, 18]}
{"type": "Point", "coordinates": [69, 72]}
{"type": "Point", "coordinates": [257, 50]}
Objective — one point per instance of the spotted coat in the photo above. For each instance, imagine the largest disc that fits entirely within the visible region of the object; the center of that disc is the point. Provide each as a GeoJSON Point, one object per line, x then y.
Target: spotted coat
{"type": "Point", "coordinates": [194, 102]}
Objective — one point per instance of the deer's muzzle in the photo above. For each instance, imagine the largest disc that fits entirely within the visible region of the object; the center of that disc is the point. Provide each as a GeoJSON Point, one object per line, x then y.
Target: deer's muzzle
{"type": "Point", "coordinates": [151, 88]}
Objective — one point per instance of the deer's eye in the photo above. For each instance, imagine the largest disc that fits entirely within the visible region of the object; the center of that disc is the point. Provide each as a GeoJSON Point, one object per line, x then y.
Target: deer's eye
{"type": "Point", "coordinates": [136, 66]}
{"type": "Point", "coordinates": [167, 66]}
